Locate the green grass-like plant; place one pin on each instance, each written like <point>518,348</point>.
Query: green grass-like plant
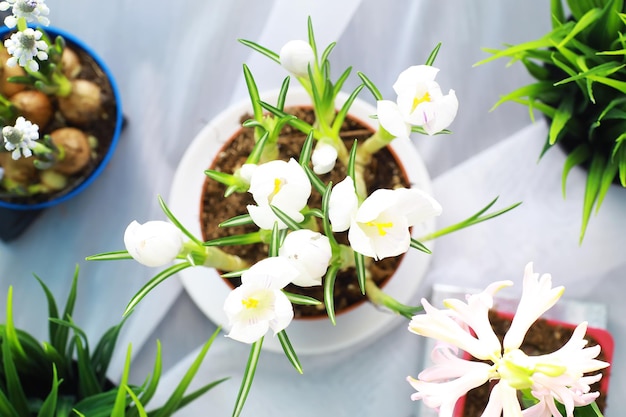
<point>62,377</point>
<point>580,68</point>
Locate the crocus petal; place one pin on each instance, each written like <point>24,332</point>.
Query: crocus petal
<point>248,333</point>
<point>296,56</point>
<point>282,184</point>
<point>283,310</point>
<point>417,205</point>
<point>310,253</point>
<point>342,205</point>
<point>274,272</point>
<point>538,296</point>
<point>379,242</point>
<point>391,119</point>
<point>258,304</point>
<point>443,114</point>
<point>410,78</point>
<point>324,158</point>
<point>154,243</point>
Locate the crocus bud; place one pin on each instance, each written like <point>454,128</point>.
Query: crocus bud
<point>154,243</point>
<point>295,57</point>
<point>323,158</point>
<point>310,253</point>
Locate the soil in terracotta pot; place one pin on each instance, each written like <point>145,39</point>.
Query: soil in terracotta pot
<point>384,172</point>
<point>542,338</point>
<point>101,128</point>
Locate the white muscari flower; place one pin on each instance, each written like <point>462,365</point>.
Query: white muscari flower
<point>1,173</point>
<point>154,243</point>
<point>296,56</point>
<point>258,304</point>
<point>310,253</point>
<point>282,184</point>
<point>33,11</point>
<point>420,102</point>
<point>24,46</point>
<point>379,228</point>
<point>20,139</point>
<point>323,158</point>
<point>555,376</point>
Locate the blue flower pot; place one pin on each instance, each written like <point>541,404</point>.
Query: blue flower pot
<point>87,179</point>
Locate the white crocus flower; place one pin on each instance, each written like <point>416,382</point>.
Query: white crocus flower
<point>246,171</point>
<point>154,243</point>
<point>24,46</point>
<point>33,11</point>
<point>556,376</point>
<point>282,184</point>
<point>258,304</point>
<point>20,139</point>
<point>342,205</point>
<point>323,158</point>
<point>296,56</point>
<point>379,228</point>
<point>420,102</point>
<point>310,253</point>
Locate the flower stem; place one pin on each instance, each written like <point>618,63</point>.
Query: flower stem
<point>379,298</point>
<point>218,259</point>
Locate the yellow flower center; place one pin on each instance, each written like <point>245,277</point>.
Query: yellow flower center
<point>419,100</point>
<point>250,303</point>
<point>278,184</point>
<point>380,227</point>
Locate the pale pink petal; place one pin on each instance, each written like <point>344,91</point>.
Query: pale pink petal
<point>537,297</point>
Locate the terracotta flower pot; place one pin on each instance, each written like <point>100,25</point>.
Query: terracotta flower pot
<point>357,325</point>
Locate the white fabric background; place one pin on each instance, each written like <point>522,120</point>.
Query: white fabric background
<point>178,64</point>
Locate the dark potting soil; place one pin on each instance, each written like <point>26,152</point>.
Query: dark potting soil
<point>542,338</point>
<point>383,172</point>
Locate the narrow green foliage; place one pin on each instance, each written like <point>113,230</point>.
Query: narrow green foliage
<point>244,239</point>
<point>291,223</point>
<point>361,275</point>
<point>290,353</point>
<point>274,245</point>
<point>248,376</point>
<point>476,218</point>
<point>329,289</point>
<point>177,397</point>
<point>241,220</point>
<point>49,406</point>
<point>576,157</point>
<point>301,299</point>
<point>268,53</point>
<point>110,256</point>
<point>580,72</point>
<point>175,221</point>
<point>433,55</point>
<point>370,86</point>
<point>316,182</point>
<point>153,283</point>
<point>307,150</point>
<point>416,244</point>
<point>253,91</point>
